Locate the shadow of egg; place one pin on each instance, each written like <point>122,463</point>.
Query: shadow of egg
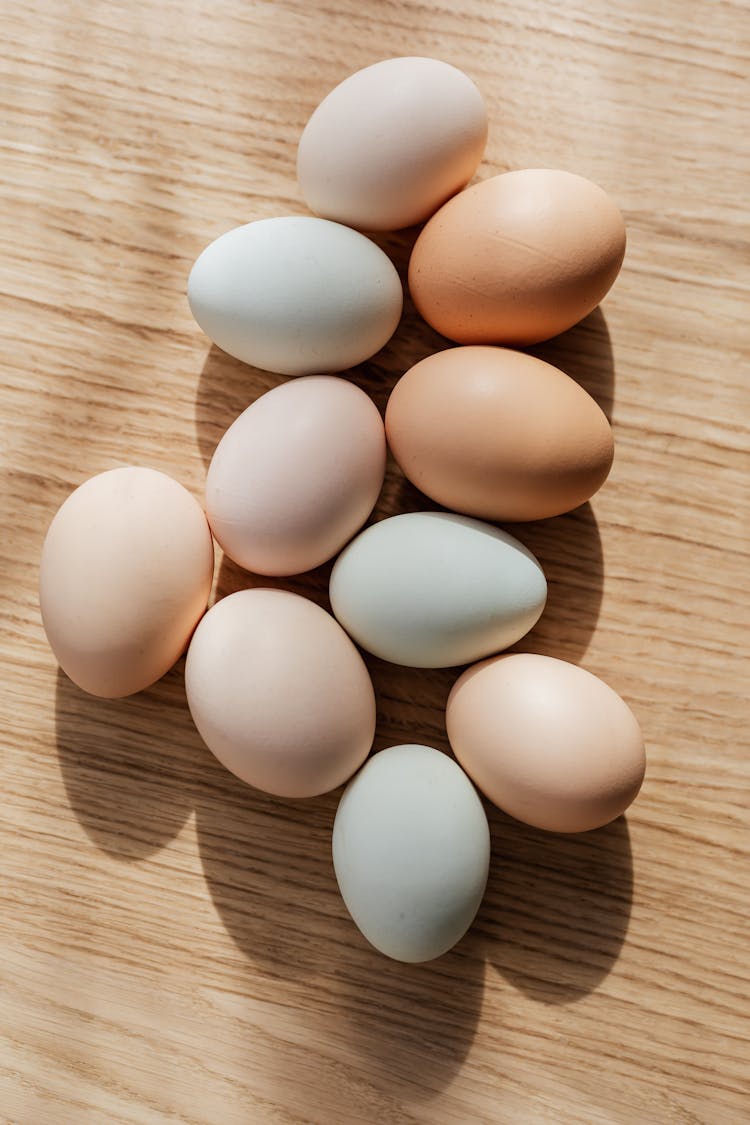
<point>557,908</point>
<point>267,865</point>
<point>130,766</point>
<point>569,549</point>
<point>226,387</point>
<point>411,703</point>
<point>412,1025</point>
<point>584,353</point>
<point>313,584</point>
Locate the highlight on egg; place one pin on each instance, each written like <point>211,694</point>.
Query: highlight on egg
<point>296,295</point>
<point>546,741</point>
<point>279,693</point>
<point>498,434</point>
<point>517,258</point>
<point>125,574</point>
<point>411,852</point>
<point>391,143</point>
<point>296,475</point>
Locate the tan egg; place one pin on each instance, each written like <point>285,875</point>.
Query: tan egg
<point>391,143</point>
<point>498,434</point>
<point>279,693</point>
<point>296,475</point>
<point>546,741</point>
<point>518,258</point>
<point>125,575</point>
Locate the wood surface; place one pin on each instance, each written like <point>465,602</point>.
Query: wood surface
<point>173,946</point>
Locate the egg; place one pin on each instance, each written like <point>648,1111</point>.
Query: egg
<point>517,258</point>
<point>279,693</point>
<point>434,589</point>
<point>498,434</point>
<point>296,475</point>
<point>296,295</point>
<point>125,574</point>
<point>391,143</point>
<point>411,850</point>
<point>546,741</point>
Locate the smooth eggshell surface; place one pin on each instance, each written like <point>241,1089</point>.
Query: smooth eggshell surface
<point>296,475</point>
<point>517,258</point>
<point>279,693</point>
<point>296,295</point>
<point>125,574</point>
<point>434,589</point>
<point>546,741</point>
<point>391,143</point>
<point>498,434</point>
<point>411,850</point>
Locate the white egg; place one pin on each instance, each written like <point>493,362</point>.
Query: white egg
<point>296,295</point>
<point>433,589</point>
<point>411,852</point>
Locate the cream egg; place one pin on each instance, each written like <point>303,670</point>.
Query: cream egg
<point>411,851</point>
<point>391,143</point>
<point>279,693</point>
<point>125,575</point>
<point>296,295</point>
<point>546,741</point>
<point>296,475</point>
<point>517,258</point>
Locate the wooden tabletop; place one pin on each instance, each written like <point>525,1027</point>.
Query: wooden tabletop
<point>173,946</point>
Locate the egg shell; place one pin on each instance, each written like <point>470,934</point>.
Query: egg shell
<point>391,143</point>
<point>546,741</point>
<point>411,850</point>
<point>434,589</point>
<point>296,475</point>
<point>498,434</point>
<point>125,574</point>
<point>296,295</point>
<point>517,258</point>
<point>279,693</point>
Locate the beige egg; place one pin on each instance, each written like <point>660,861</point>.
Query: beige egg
<point>498,434</point>
<point>296,475</point>
<point>518,258</point>
<point>391,143</point>
<point>279,693</point>
<point>546,741</point>
<point>125,575</point>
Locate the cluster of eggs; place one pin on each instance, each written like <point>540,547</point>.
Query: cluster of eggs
<point>276,685</point>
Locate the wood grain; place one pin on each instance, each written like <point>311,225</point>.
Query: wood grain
<point>173,945</point>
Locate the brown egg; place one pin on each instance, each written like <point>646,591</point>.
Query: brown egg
<point>546,741</point>
<point>518,258</point>
<point>498,434</point>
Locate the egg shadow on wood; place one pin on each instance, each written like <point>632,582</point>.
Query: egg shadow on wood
<point>411,703</point>
<point>313,584</point>
<point>557,907</point>
<point>569,549</point>
<point>584,353</point>
<point>130,766</point>
<point>267,865</point>
<point>226,387</point>
<point>412,1025</point>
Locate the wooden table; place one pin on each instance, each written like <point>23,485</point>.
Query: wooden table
<point>173,945</point>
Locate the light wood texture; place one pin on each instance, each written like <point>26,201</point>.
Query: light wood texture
<point>173,947</point>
